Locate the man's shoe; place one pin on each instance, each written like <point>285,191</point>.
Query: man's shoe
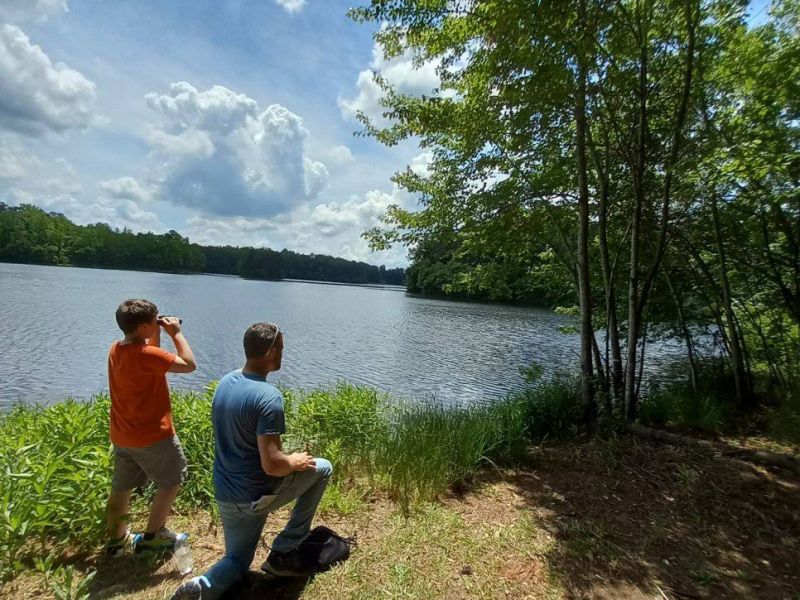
<point>118,547</point>
<point>286,564</point>
<point>163,542</point>
<point>188,590</point>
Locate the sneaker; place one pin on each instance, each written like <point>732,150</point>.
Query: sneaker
<point>188,590</point>
<point>118,547</point>
<point>286,564</point>
<point>164,542</point>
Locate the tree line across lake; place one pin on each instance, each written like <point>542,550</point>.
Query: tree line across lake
<point>30,235</point>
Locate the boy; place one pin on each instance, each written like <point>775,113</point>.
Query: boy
<point>145,444</point>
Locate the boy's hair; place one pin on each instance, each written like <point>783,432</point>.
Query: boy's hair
<point>132,313</point>
<point>258,339</point>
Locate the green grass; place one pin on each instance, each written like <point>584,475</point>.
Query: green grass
<point>56,461</point>
<point>553,407</point>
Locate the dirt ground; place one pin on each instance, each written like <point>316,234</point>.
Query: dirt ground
<point>619,519</point>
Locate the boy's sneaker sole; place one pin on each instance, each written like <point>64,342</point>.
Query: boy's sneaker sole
<point>189,590</point>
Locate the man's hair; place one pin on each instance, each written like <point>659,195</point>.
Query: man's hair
<point>132,313</point>
<point>258,339</point>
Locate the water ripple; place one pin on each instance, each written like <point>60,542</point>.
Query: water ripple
<point>58,324</point>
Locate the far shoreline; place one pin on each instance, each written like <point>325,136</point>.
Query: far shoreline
<point>210,274</point>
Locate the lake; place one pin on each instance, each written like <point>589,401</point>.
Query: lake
<point>57,324</point>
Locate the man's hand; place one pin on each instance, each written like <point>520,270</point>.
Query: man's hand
<point>277,464</point>
<point>301,461</point>
<point>171,325</point>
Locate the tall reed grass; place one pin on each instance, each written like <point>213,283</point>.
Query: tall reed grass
<point>56,461</point>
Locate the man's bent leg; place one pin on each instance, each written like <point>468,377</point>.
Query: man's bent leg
<point>307,487</point>
<point>242,527</point>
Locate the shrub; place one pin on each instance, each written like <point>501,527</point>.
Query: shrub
<point>553,407</point>
<point>430,447</point>
<point>783,421</point>
<point>55,473</point>
<point>343,425</point>
<point>671,400</point>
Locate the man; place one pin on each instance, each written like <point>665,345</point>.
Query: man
<point>252,474</point>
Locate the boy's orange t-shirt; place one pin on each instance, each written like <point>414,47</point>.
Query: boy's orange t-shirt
<point>141,413</point>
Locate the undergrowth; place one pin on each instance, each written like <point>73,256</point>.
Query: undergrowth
<point>56,461</point>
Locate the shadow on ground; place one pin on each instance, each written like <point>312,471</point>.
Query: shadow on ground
<point>637,519</point>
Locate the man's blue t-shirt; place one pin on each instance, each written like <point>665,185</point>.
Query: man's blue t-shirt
<point>244,407</point>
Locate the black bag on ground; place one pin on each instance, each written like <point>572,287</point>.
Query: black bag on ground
<point>324,548</point>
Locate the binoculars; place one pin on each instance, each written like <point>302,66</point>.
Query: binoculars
<point>160,319</point>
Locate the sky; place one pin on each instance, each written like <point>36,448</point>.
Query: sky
<point>230,121</point>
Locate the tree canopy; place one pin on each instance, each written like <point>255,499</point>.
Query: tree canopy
<point>636,159</point>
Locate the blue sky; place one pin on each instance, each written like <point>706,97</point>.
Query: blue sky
<point>253,99</point>
<point>230,121</point>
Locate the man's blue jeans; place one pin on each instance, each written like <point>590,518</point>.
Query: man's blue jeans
<point>242,525</point>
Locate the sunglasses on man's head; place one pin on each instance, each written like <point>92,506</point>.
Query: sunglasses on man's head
<point>275,337</point>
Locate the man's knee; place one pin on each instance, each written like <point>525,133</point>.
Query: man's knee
<point>324,467</point>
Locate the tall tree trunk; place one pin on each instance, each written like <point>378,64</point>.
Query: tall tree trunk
<point>676,143</point>
<point>587,331</point>
<point>612,322</point>
<point>740,379</point>
<point>634,314</point>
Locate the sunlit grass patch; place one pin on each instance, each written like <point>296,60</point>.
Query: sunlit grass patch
<point>434,553</point>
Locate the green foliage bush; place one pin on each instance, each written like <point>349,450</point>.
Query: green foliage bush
<point>783,420</point>
<point>553,407</point>
<point>673,402</point>
<point>681,407</point>
<point>55,472</point>
<point>344,424</point>
<point>56,462</point>
<point>430,447</point>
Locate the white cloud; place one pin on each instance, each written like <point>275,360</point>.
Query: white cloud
<point>18,11</point>
<point>219,153</point>
<point>125,213</point>
<point>189,143</point>
<point>356,214</point>
<point>292,5</point>
<point>327,228</point>
<point>24,170</point>
<point>54,186</point>
<point>400,72</point>
<point>127,188</point>
<point>217,110</point>
<point>420,164</point>
<point>16,162</point>
<point>37,95</point>
<point>340,154</point>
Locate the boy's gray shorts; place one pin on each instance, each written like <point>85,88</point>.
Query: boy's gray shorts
<point>163,463</point>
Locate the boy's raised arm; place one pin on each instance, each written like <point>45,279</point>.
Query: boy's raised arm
<point>184,363</point>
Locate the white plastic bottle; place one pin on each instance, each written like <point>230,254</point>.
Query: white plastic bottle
<point>183,556</point>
